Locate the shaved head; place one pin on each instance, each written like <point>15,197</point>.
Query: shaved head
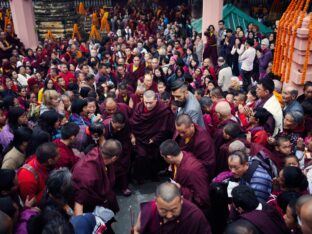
<point>301,201</point>
<point>168,192</point>
<point>111,148</point>
<point>6,223</point>
<point>110,105</point>
<point>110,101</point>
<point>149,94</point>
<point>223,108</point>
<point>184,119</point>
<point>306,217</point>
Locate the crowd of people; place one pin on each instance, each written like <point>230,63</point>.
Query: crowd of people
<point>80,120</point>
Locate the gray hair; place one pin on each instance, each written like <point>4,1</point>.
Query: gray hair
<point>297,116</point>
<point>150,94</point>
<point>205,101</point>
<point>237,146</point>
<point>277,86</point>
<point>168,191</point>
<point>59,183</point>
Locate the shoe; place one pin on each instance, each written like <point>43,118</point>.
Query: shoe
<point>126,192</point>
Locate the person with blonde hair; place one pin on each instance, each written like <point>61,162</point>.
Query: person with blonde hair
<point>51,101</point>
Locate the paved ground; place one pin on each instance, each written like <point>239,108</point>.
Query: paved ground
<point>140,194</point>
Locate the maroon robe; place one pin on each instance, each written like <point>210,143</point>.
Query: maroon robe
<point>190,221</point>
<point>193,178</point>
<point>93,182</point>
<point>135,99</point>
<point>158,125</point>
<point>134,76</point>
<point>202,147</point>
<point>279,159</point>
<point>267,220</point>
<point>121,99</point>
<point>218,134</point>
<point>122,165</point>
<point>121,107</point>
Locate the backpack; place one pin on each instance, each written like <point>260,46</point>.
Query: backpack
<point>265,162</point>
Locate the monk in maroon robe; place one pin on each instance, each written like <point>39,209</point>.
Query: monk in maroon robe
<point>110,106</point>
<point>189,174</point>
<point>94,178</point>
<point>152,122</point>
<point>282,149</point>
<point>118,128</point>
<point>192,138</point>
<point>136,70</point>
<point>170,214</point>
<point>264,217</point>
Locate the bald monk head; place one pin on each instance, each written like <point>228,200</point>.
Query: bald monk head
<point>223,109</point>
<point>241,226</point>
<point>168,201</point>
<point>148,81</point>
<point>149,100</point>
<point>289,94</point>
<point>306,217</point>
<point>6,224</point>
<point>301,201</point>
<point>185,126</point>
<point>110,105</point>
<point>118,121</point>
<point>111,150</point>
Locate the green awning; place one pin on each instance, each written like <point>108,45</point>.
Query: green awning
<point>234,17</point>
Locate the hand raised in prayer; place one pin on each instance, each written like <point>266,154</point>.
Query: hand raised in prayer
<point>271,140</point>
<point>248,137</point>
<point>150,141</point>
<point>30,202</point>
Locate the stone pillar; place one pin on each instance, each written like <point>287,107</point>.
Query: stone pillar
<point>212,13</point>
<point>24,22</point>
<point>298,59</point>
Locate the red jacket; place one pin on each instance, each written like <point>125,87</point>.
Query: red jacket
<point>67,157</point>
<point>32,179</point>
<point>68,77</point>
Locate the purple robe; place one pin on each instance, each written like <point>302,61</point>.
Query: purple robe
<point>193,178</point>
<point>202,147</point>
<point>267,220</point>
<point>93,182</point>
<point>190,221</point>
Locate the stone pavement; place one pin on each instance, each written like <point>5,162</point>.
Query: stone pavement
<point>140,193</point>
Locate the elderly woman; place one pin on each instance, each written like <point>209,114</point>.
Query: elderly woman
<point>293,128</point>
<point>51,101</point>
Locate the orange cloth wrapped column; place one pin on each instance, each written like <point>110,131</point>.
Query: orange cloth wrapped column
<point>94,34</point>
<point>104,23</point>
<point>76,32</point>
<point>82,9</point>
